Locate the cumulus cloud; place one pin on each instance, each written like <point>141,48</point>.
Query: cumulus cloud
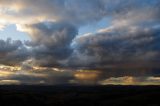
<point>131,36</point>
<point>50,40</point>
<point>12,52</point>
<point>120,45</point>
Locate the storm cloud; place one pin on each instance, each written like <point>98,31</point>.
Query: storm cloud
<point>131,36</point>
<point>120,45</point>
<point>12,52</point>
<point>51,42</point>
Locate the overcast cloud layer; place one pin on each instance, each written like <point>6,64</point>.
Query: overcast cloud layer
<point>131,37</point>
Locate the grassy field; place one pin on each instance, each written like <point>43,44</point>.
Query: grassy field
<point>79,95</point>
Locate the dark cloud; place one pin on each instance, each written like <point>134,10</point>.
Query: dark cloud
<point>47,76</point>
<point>132,35</point>
<point>51,42</point>
<point>12,52</point>
<point>120,45</point>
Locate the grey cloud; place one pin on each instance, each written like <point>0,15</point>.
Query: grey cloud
<point>51,42</point>
<point>12,52</point>
<point>120,45</point>
<point>47,76</point>
<point>79,12</point>
<point>76,12</point>
<point>52,34</point>
<point>134,35</point>
<point>8,45</point>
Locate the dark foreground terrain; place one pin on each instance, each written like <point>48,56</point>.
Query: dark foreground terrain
<point>80,95</point>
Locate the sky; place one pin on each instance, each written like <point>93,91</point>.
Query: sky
<point>80,42</point>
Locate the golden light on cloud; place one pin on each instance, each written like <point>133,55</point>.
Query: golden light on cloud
<point>39,68</point>
<point>130,80</point>
<point>126,80</point>
<point>31,74</point>
<point>86,75</point>
<point>154,78</point>
<point>9,68</point>
<point>9,82</point>
<point>6,73</point>
<point>17,7</point>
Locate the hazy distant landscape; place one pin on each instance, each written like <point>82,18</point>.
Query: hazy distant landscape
<point>69,95</point>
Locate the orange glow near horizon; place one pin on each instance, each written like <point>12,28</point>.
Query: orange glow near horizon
<point>128,80</point>
<point>86,75</point>
<point>9,68</point>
